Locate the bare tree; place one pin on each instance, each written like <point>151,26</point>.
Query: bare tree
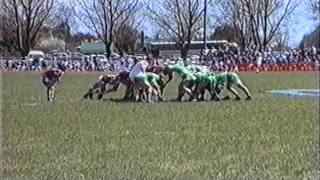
<point>7,37</point>
<point>281,40</point>
<point>315,7</point>
<point>234,12</point>
<point>25,19</point>
<point>258,21</point>
<point>103,16</point>
<point>65,20</point>
<point>179,19</point>
<point>126,33</point>
<point>126,37</point>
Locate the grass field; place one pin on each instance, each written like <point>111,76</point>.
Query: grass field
<point>267,138</point>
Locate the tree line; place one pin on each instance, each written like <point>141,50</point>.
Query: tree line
<point>26,24</point>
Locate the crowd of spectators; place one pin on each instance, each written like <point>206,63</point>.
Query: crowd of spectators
<point>217,59</point>
<point>235,57</point>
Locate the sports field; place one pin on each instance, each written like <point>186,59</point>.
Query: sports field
<point>270,137</point>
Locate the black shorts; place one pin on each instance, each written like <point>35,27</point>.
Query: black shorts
<point>48,82</point>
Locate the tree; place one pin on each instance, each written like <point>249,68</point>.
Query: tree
<point>225,32</point>
<point>312,39</point>
<point>103,16</point>
<point>65,19</point>
<point>281,40</point>
<point>63,31</point>
<point>51,43</point>
<point>7,37</point>
<point>25,19</point>
<point>126,38</point>
<point>258,21</point>
<point>179,19</point>
<point>315,7</point>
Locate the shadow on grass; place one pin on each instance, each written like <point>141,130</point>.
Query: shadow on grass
<point>163,102</point>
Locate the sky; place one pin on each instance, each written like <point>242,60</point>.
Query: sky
<point>302,24</point>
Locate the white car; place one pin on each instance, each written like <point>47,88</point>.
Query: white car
<point>36,54</point>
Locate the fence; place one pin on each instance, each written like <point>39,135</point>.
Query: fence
<point>278,68</point>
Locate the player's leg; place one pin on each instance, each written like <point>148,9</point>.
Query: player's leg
<point>143,82</point>
<point>155,81</point>
<point>48,94</point>
<point>199,90</point>
<point>93,90</point>
<point>232,78</point>
<point>147,92</point>
<point>102,92</point>
<point>233,91</point>
<point>215,92</point>
<point>131,92</point>
<point>136,91</point>
<point>202,95</point>
<point>157,91</point>
<point>181,91</point>
<point>241,86</point>
<point>188,88</point>
<point>162,86</point>
<point>52,86</point>
<point>46,83</point>
<point>54,93</point>
<point>127,92</point>
<point>150,92</point>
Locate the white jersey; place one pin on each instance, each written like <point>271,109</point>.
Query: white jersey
<point>137,69</point>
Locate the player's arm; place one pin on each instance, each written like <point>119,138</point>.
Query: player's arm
<point>58,75</point>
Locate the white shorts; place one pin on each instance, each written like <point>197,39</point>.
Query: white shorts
<point>238,82</point>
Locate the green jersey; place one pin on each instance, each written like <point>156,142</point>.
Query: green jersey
<point>227,78</point>
<point>148,77</point>
<point>200,76</point>
<point>208,80</point>
<point>152,77</point>
<point>183,72</point>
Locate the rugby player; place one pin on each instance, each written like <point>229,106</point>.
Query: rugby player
<point>114,80</point>
<point>138,78</point>
<point>229,79</point>
<point>187,83</point>
<point>51,78</point>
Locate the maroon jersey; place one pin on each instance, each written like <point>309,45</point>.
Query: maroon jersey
<point>123,77</point>
<point>154,69</point>
<point>53,73</point>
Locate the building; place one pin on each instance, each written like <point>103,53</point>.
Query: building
<point>89,48</point>
<point>167,48</point>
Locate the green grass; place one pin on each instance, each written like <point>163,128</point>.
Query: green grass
<point>268,138</point>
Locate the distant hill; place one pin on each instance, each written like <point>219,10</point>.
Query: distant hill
<point>312,39</point>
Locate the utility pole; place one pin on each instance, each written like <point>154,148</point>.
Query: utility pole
<point>205,25</point>
<point>204,29</point>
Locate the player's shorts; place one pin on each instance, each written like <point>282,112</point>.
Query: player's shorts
<point>153,78</point>
<point>142,79</point>
<point>48,82</point>
<point>188,80</point>
<point>233,79</point>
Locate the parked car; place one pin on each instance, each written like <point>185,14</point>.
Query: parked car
<point>36,54</point>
